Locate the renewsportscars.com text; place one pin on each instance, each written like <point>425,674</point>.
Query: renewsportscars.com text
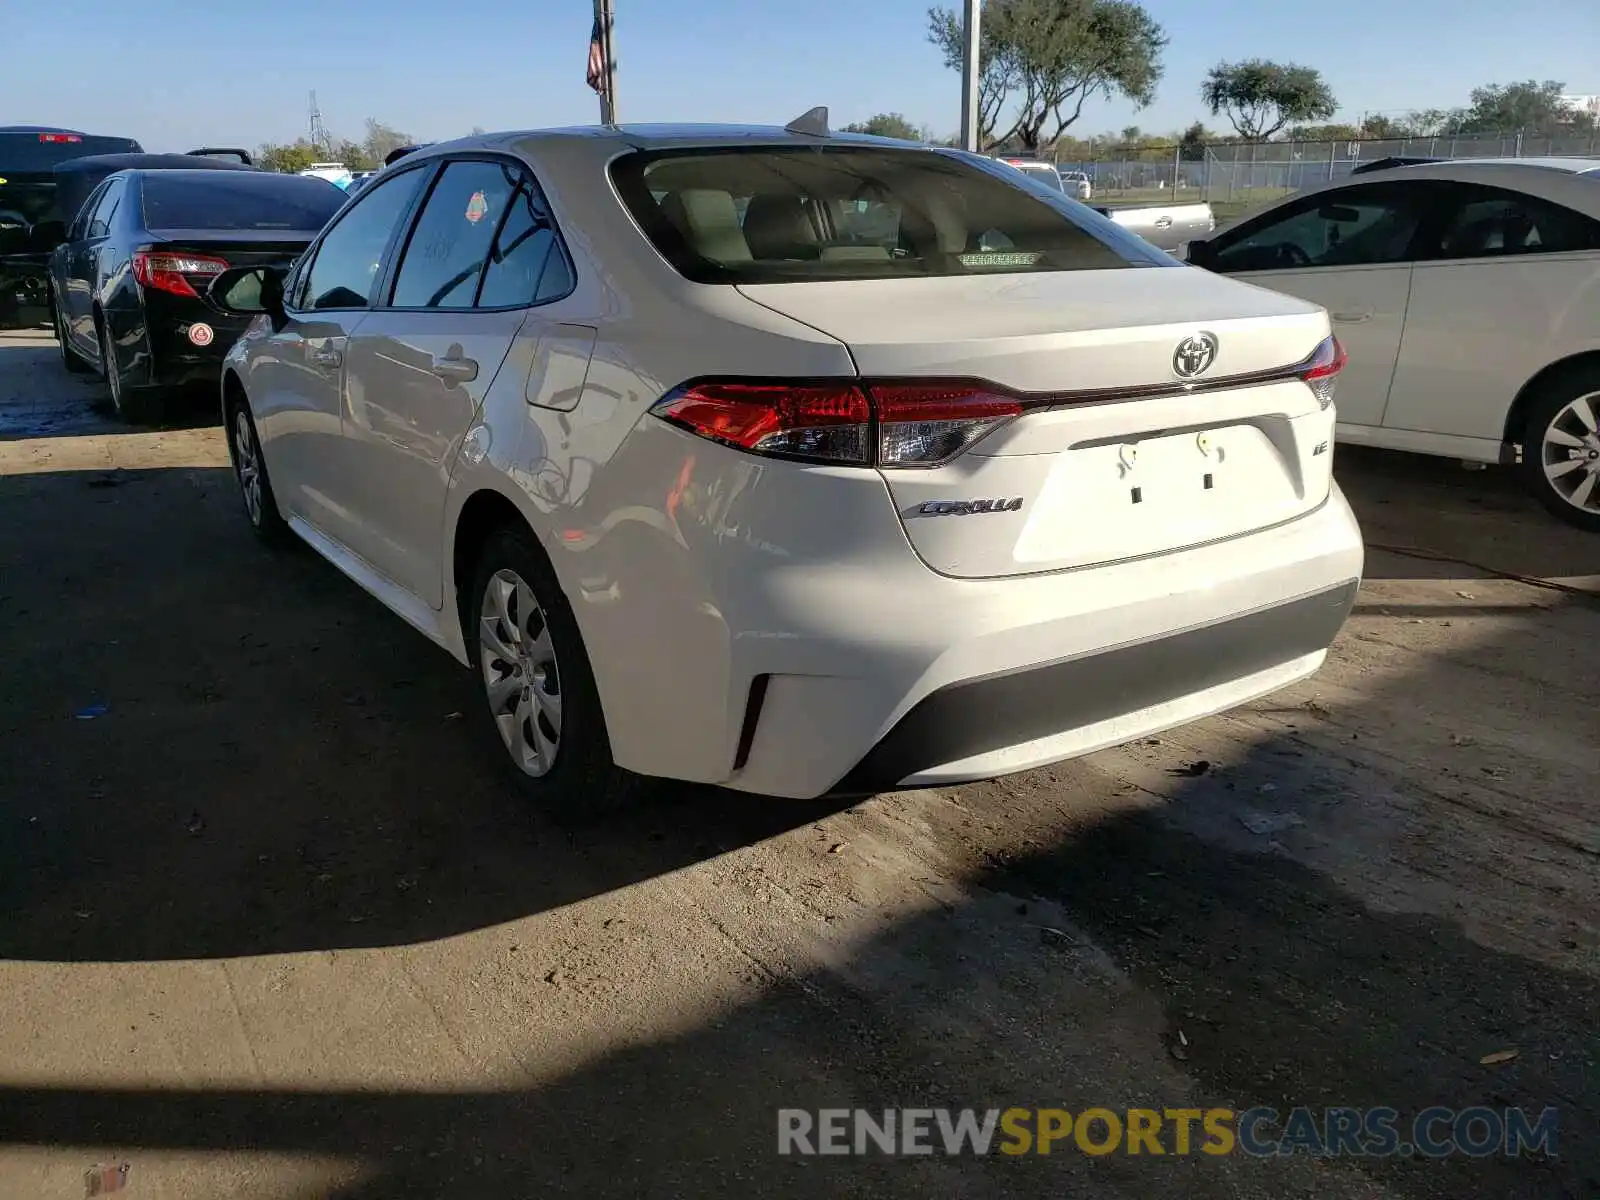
<point>1438,1132</point>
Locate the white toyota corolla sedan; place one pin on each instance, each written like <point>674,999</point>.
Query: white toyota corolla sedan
<point>799,463</point>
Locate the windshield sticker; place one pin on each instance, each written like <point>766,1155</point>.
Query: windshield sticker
<point>1002,258</point>
<point>477,207</point>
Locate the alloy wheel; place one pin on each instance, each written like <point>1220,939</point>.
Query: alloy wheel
<point>247,462</point>
<point>521,679</point>
<point>1571,453</point>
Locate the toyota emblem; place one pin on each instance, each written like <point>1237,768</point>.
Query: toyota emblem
<point>1194,355</point>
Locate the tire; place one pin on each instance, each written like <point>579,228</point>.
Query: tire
<point>137,406</point>
<point>69,356</point>
<point>1557,436</point>
<point>250,472</point>
<point>572,774</point>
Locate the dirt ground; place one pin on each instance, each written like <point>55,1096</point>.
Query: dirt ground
<point>270,928</point>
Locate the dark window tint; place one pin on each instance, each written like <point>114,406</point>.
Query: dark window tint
<point>1346,228</point>
<point>350,257</point>
<point>444,259</point>
<point>245,200</point>
<point>774,214</point>
<point>1489,223</point>
<point>105,208</point>
<point>527,265</point>
<point>21,152</point>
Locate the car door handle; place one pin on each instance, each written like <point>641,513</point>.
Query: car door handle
<point>327,358</point>
<point>1353,318</point>
<point>455,369</point>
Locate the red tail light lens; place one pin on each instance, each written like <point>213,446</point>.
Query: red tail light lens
<point>925,424</point>
<point>170,272</point>
<point>826,423</point>
<point>59,137</point>
<point>1321,371</point>
<point>889,424</point>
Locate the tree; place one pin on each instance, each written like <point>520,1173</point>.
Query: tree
<point>288,159</point>
<point>1192,145</point>
<point>1528,107</point>
<point>1324,133</point>
<point>1260,97</point>
<point>382,140</point>
<point>1050,57</point>
<point>889,125</point>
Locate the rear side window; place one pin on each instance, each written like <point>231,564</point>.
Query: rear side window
<point>1492,222</point>
<point>242,200</point>
<point>443,261</point>
<point>777,214</point>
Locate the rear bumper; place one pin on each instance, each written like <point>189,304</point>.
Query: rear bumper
<point>175,360</point>
<point>822,658</point>
<point>984,727</point>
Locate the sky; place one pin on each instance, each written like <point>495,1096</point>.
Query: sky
<point>177,74</point>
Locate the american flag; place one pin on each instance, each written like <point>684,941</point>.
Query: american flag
<point>597,59</point>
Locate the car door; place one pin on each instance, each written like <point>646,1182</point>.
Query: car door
<point>1505,288</point>
<point>296,388</point>
<point>82,273</point>
<point>1350,250</point>
<point>474,263</point>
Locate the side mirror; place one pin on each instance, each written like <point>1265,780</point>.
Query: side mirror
<point>1339,213</point>
<point>1199,253</point>
<point>250,291</point>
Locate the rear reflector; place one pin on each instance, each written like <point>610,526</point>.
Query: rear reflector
<point>885,424</point>
<point>1321,371</point>
<point>170,272</point>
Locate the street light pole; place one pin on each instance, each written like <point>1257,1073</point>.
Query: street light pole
<point>969,78</point>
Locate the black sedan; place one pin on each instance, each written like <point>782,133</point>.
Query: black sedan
<point>128,288</point>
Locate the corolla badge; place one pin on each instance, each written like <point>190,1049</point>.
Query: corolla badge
<point>1194,355</point>
<point>966,508</point>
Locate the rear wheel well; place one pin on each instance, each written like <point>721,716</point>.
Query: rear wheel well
<point>1517,418</point>
<point>482,514</point>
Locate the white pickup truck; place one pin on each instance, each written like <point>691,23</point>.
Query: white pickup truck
<point>1169,226</point>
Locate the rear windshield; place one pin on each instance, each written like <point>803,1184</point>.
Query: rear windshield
<point>238,200</point>
<point>777,214</point>
<point>24,152</point>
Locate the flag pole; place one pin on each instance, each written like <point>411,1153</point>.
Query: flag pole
<point>970,132</point>
<point>603,11</point>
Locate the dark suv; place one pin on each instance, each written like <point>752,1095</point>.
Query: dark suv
<point>31,220</point>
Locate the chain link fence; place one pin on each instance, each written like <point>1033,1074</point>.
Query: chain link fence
<point>1234,176</point>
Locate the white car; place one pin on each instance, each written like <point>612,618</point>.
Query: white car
<point>1465,293</point>
<point>1040,172</point>
<point>1077,184</point>
<point>754,501</point>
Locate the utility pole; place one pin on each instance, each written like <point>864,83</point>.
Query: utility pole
<point>969,78</point>
<point>605,19</point>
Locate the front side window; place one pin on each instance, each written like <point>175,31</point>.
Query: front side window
<point>1347,228</point>
<point>1491,222</point>
<point>350,258</point>
<point>775,214</point>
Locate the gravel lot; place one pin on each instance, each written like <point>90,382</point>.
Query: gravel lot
<point>269,927</point>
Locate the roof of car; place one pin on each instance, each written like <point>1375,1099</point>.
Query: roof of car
<point>107,163</point>
<point>661,136</point>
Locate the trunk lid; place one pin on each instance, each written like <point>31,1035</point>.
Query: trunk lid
<point>1115,458</point>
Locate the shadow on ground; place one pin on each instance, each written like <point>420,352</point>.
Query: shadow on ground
<point>1288,992</point>
<point>211,750</point>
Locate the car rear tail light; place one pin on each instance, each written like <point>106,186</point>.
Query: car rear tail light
<point>1321,371</point>
<point>59,137</point>
<point>170,272</point>
<point>925,424</point>
<point>889,424</point>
